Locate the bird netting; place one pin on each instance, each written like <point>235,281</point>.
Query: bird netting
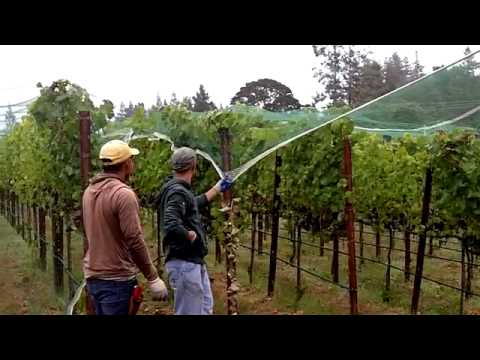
<point>445,99</point>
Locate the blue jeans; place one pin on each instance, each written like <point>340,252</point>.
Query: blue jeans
<point>191,288</point>
<point>111,297</point>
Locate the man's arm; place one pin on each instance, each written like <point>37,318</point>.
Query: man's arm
<point>129,218</point>
<point>204,199</point>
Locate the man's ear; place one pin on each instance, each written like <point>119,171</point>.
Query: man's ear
<point>127,167</point>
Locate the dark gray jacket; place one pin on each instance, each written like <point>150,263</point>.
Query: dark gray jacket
<point>179,213</point>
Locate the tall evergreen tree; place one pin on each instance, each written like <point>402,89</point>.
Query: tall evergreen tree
<point>470,64</point>
<point>416,70</point>
<point>173,100</point>
<point>201,101</point>
<point>187,102</point>
<point>372,82</point>
<point>129,110</point>
<point>158,106</point>
<point>339,73</point>
<point>122,112</point>
<point>122,108</point>
<point>396,72</point>
<point>351,71</point>
<point>329,73</point>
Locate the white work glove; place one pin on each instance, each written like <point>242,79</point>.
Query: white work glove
<point>158,289</point>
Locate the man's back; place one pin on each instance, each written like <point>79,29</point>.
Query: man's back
<point>115,248</point>
<point>109,239</point>
<point>179,210</point>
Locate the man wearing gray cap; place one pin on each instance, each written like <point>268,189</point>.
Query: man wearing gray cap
<point>184,238</point>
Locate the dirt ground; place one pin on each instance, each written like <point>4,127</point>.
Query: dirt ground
<point>24,288</point>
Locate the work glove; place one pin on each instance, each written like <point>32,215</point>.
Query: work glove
<point>158,289</point>
<point>223,184</point>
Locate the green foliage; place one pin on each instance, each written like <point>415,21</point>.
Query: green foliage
<point>456,183</point>
<point>40,160</point>
<point>28,161</point>
<point>151,168</point>
<point>42,154</point>
<point>388,180</point>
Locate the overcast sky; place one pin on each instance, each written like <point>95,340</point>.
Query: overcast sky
<point>137,73</point>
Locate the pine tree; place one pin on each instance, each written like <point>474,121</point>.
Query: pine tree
<point>417,69</point>
<point>470,64</point>
<point>158,106</point>
<point>351,69</point>
<point>201,101</point>
<point>372,82</point>
<point>129,110</point>
<point>329,73</point>
<point>407,69</point>
<point>173,100</point>
<point>396,72</point>
<point>187,102</point>
<point>122,114</point>
<point>122,108</point>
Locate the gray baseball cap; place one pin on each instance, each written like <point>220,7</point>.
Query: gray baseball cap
<point>183,159</point>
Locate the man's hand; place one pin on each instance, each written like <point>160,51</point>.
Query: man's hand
<point>192,235</point>
<point>223,185</point>
<point>158,289</point>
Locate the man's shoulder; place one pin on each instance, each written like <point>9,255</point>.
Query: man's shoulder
<point>123,191</point>
<point>108,185</point>
<point>176,191</point>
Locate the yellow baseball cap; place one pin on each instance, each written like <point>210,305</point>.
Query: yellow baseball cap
<point>116,152</point>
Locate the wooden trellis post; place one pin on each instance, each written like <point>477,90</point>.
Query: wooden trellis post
<point>275,225</point>
<point>350,227</point>
<point>427,194</point>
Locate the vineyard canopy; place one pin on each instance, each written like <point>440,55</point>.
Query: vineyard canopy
<point>445,99</point>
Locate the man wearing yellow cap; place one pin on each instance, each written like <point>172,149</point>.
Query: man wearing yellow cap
<point>116,246</point>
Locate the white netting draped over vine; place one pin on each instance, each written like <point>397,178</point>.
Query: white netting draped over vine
<point>443,100</point>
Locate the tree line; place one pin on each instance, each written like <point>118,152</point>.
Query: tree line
<point>348,76</point>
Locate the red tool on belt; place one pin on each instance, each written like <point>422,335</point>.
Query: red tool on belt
<point>135,300</point>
